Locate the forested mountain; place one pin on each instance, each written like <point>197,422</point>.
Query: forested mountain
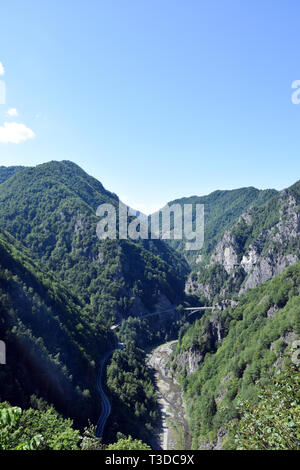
<point>7,172</point>
<point>226,357</point>
<point>51,209</point>
<point>52,343</point>
<point>250,235</point>
<point>262,243</point>
<point>61,290</point>
<point>221,210</point>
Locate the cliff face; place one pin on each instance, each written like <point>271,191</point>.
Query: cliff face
<point>263,243</point>
<point>211,337</point>
<point>276,248</point>
<point>226,252</point>
<point>189,360</point>
<point>222,210</point>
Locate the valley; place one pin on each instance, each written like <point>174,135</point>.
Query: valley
<point>203,331</point>
<point>149,228</point>
<point>175,432</point>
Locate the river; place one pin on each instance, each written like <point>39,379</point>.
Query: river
<point>175,432</point>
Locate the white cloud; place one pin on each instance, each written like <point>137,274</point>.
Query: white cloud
<point>13,112</point>
<point>12,132</point>
<point>1,69</point>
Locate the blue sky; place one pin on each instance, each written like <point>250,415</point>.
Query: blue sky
<point>158,99</point>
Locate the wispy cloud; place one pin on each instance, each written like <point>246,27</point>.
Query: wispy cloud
<point>12,132</point>
<point>1,69</point>
<point>13,112</point>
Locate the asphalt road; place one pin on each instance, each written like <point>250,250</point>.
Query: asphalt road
<point>105,404</point>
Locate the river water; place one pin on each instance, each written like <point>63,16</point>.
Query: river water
<point>175,432</point>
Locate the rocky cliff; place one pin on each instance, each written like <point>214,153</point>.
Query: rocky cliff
<point>212,334</point>
<point>263,243</point>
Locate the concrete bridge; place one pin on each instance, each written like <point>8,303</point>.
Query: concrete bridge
<point>147,315</point>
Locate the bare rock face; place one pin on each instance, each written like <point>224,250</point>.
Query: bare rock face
<point>217,444</point>
<point>226,252</point>
<point>224,304</point>
<point>79,223</point>
<point>270,253</point>
<point>189,360</point>
<point>289,225</point>
<point>272,311</point>
<point>162,303</point>
<point>290,337</point>
<point>266,268</point>
<point>217,329</point>
<point>193,286</point>
<point>260,264</point>
<point>251,257</point>
<point>138,309</point>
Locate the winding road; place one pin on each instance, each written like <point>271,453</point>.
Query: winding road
<point>105,404</point>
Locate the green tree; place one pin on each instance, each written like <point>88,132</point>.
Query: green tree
<point>9,419</point>
<point>273,422</point>
<point>34,429</point>
<point>128,444</point>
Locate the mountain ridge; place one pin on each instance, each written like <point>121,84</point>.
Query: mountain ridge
<point>262,243</point>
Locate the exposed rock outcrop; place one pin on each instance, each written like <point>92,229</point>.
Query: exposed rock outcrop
<point>190,359</point>
<point>217,444</point>
<point>193,286</point>
<point>226,252</point>
<point>254,251</point>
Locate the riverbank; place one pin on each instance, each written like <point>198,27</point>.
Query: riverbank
<point>175,433</point>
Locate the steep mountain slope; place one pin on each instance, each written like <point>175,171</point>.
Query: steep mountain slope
<point>221,210</point>
<point>220,359</point>
<point>262,243</point>
<point>50,339</point>
<point>7,172</point>
<point>51,209</point>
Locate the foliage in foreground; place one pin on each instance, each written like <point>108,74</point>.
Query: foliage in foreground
<point>45,429</point>
<point>273,422</point>
<point>34,429</point>
<point>128,444</point>
<point>9,418</point>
